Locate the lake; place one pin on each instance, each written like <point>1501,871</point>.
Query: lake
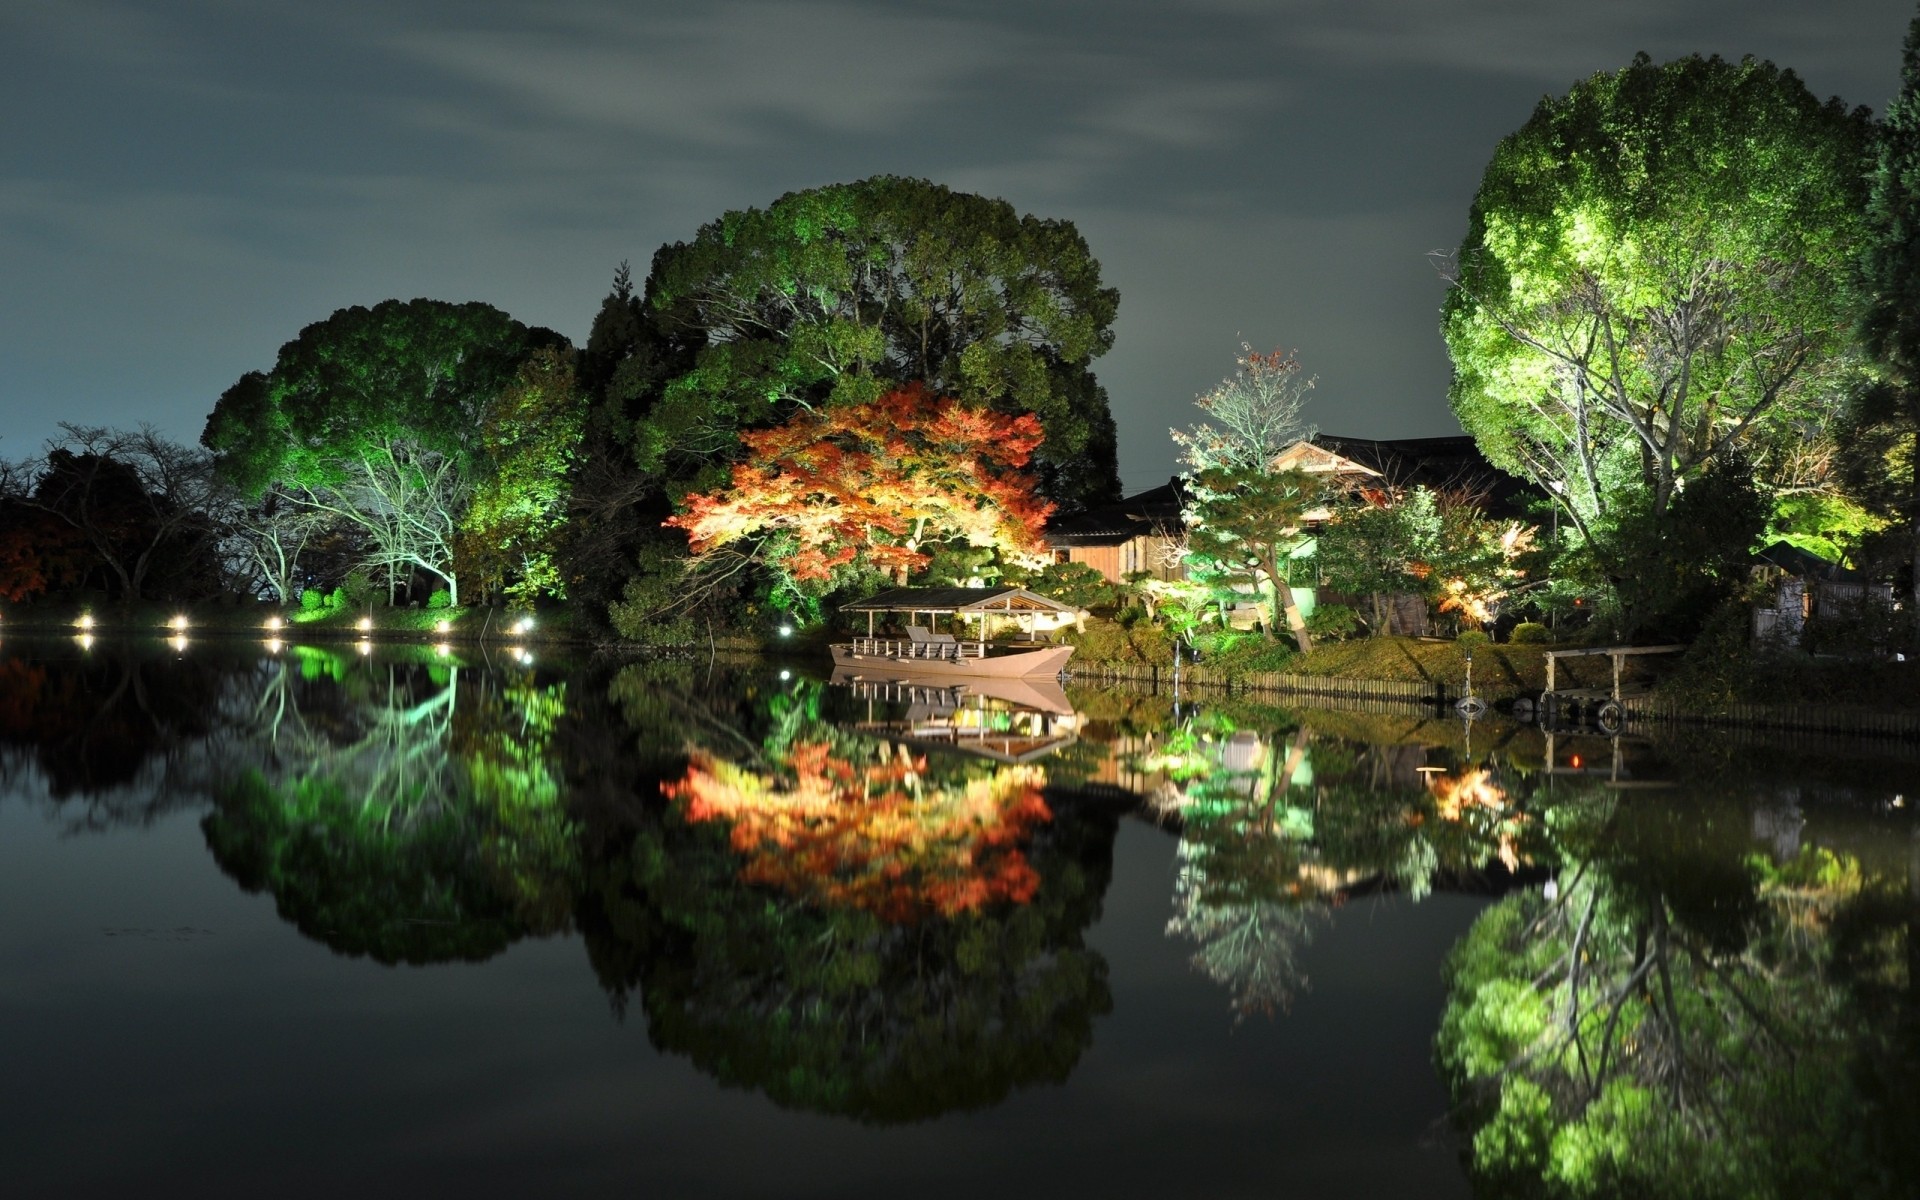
<point>324,920</point>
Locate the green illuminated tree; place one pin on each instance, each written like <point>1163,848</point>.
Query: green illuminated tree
<point>1250,522</point>
<point>1376,550</point>
<point>1655,276</point>
<point>1887,421</point>
<point>840,294</point>
<point>528,439</point>
<point>374,417</point>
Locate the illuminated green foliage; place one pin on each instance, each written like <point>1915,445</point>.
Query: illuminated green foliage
<point>1250,523</point>
<point>527,442</point>
<point>1655,277</point>
<point>373,418</point>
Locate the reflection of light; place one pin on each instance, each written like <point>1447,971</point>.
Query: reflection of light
<point>275,645</point>
<point>1431,770</point>
<point>178,624</point>
<point>443,626</point>
<point>178,642</point>
<point>366,647</point>
<point>273,624</point>
<point>523,656</point>
<point>443,649</point>
<point>85,640</point>
<point>364,624</point>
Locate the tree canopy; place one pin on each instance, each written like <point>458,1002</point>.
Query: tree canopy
<point>376,417</point>
<point>1656,274</point>
<point>1887,420</point>
<point>840,294</point>
<point>874,484</point>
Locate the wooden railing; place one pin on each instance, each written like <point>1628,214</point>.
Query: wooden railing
<point>902,648</point>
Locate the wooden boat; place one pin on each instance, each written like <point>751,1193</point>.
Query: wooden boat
<point>925,652</point>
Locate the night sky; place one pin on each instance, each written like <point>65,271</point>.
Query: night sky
<point>184,184</point>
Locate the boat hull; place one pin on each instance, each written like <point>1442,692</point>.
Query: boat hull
<point>1021,664</point>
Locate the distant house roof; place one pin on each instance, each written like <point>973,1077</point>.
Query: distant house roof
<point>1305,455</point>
<point>1440,463</point>
<point>1154,511</point>
<point>1795,561</point>
<point>957,600</point>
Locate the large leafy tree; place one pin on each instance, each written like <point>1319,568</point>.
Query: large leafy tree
<point>875,484</point>
<point>374,416</point>
<point>1655,276</point>
<point>840,294</point>
<point>1889,415</point>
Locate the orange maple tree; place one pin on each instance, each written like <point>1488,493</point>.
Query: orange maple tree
<point>876,482</point>
<point>876,836</point>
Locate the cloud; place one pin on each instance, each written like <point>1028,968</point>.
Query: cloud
<point>727,77</point>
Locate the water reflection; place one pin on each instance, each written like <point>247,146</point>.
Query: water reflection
<point>850,924</point>
<point>874,901</point>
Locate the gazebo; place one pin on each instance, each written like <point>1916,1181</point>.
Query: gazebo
<point>962,602</point>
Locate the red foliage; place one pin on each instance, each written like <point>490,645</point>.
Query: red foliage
<point>874,837</point>
<point>38,552</point>
<point>877,481</point>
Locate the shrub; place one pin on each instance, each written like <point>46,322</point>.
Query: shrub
<point>1530,633</point>
<point>356,589</point>
<point>1471,638</point>
<point>313,600</point>
<point>441,598</point>
<point>1333,621</point>
<point>1077,584</point>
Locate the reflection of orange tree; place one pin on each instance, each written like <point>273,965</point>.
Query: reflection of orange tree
<point>875,836</point>
<point>1473,796</point>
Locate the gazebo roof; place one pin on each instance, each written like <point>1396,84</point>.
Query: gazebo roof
<point>957,600</point>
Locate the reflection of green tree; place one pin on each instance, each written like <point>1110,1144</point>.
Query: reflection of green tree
<point>829,1006</point>
<point>1249,888</point>
<point>1275,832</point>
<point>393,814</point>
<point>1675,1020</point>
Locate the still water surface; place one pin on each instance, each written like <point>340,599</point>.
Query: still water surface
<point>319,922</point>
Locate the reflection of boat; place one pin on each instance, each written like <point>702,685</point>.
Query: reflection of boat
<point>1007,720</point>
<point>923,650</point>
<point>1041,692</point>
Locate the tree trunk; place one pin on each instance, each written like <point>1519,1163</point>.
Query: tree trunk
<point>1283,600</point>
